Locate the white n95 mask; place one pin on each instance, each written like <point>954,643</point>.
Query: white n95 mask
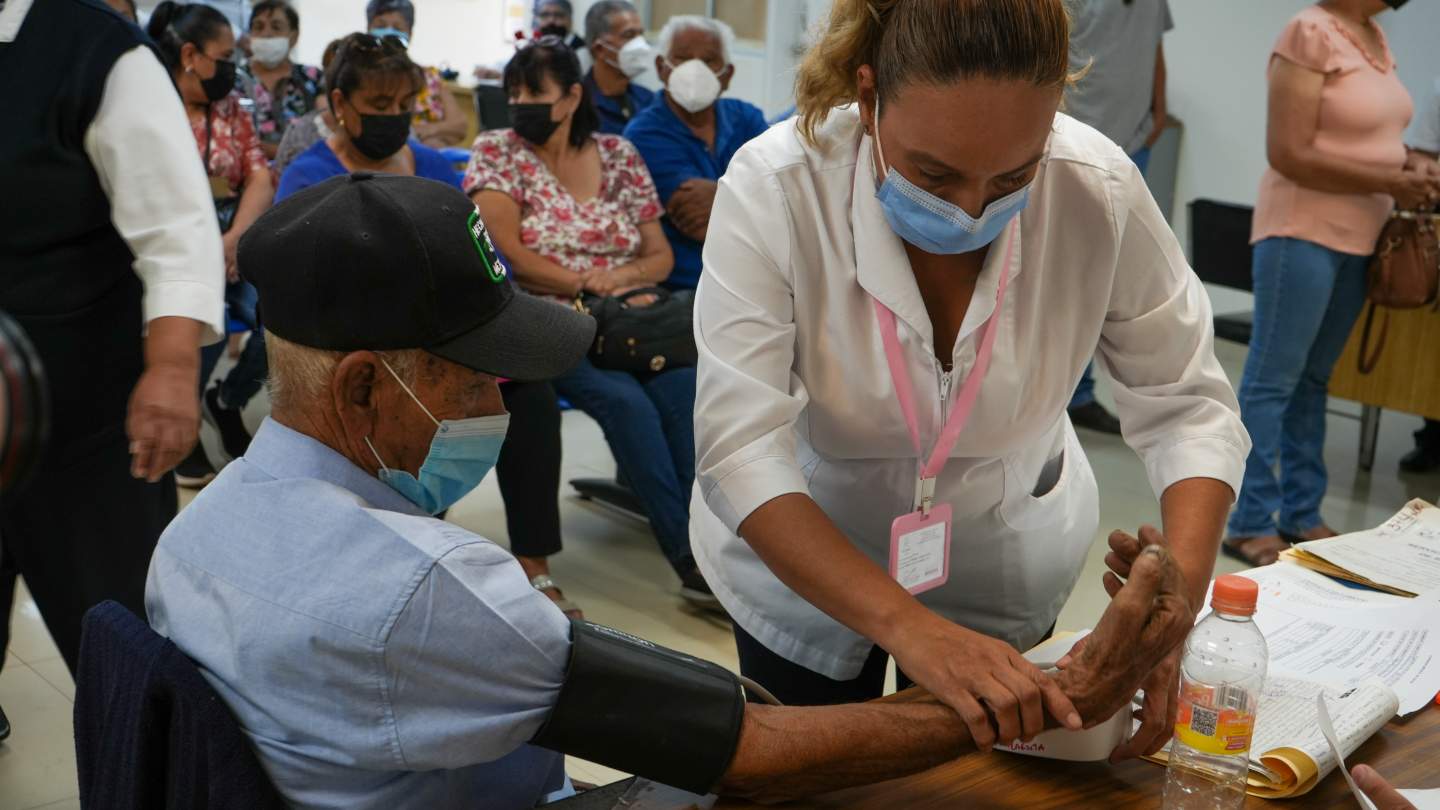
<point>270,51</point>
<point>636,57</point>
<point>693,85</point>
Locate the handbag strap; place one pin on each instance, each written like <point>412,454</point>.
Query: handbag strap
<point>1366,359</point>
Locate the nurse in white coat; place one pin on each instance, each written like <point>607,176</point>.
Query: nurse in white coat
<point>931,200</point>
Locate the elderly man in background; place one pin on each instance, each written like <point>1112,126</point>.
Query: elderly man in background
<point>615,37</point>
<point>378,657</point>
<point>688,138</point>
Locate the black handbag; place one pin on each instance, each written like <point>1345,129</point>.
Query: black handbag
<point>642,339</point>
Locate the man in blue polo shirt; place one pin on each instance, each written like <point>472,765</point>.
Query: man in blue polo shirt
<point>615,36</point>
<point>688,137</point>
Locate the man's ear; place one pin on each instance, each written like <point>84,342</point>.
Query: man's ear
<point>725,76</point>
<point>352,395</point>
<point>662,69</point>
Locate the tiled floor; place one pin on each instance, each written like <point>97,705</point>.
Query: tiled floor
<point>613,569</point>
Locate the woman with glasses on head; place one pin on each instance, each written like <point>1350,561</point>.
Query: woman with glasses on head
<point>371,86</point>
<point>198,46</point>
<point>575,211</point>
<point>439,120</point>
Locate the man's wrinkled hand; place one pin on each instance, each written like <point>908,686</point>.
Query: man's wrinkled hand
<point>163,420</point>
<point>1147,619</point>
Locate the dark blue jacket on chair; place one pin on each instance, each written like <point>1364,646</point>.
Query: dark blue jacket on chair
<point>149,731</point>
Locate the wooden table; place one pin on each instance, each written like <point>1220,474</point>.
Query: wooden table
<point>1407,378</point>
<point>1407,753</point>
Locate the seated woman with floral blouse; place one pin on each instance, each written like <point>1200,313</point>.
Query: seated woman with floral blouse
<point>575,211</point>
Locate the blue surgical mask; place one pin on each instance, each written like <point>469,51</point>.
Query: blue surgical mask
<point>935,225</point>
<point>387,31</point>
<point>462,453</point>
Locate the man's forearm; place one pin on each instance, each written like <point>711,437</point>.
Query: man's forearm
<point>787,752</point>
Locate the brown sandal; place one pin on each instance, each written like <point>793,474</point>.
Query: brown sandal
<point>1246,550</point>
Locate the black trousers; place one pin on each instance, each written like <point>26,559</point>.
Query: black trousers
<point>528,469</point>
<point>795,685</point>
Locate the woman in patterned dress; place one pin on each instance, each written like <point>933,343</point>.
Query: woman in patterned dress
<point>575,210</point>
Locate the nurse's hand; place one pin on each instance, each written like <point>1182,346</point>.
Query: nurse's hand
<point>980,677</point>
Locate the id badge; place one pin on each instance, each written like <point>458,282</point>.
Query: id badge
<point>920,549</point>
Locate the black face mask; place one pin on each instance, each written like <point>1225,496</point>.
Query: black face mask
<point>382,135</point>
<point>554,30</point>
<point>219,86</point>
<point>532,122</point>
<point>1396,4</point>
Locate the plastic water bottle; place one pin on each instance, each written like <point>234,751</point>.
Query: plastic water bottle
<point>1221,676</point>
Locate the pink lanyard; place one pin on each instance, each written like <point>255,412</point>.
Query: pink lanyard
<point>964,400</point>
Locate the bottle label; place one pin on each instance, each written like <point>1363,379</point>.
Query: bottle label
<point>1215,721</point>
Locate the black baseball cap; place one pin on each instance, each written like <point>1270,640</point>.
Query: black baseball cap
<point>385,262</point>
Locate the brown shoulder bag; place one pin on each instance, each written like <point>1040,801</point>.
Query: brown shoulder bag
<point>1404,273</point>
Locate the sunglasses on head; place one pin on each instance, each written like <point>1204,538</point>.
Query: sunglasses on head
<point>388,44</point>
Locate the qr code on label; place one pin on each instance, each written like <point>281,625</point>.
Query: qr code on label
<point>1203,720</point>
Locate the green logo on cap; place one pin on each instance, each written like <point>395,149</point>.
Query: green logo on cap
<point>485,247</point>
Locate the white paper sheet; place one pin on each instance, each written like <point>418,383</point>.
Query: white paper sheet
<point>1286,718</point>
<point>1400,646</point>
<point>1422,799</point>
<point>1403,553</point>
<point>1292,585</point>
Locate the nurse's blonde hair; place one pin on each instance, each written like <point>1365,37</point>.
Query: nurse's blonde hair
<point>931,42</point>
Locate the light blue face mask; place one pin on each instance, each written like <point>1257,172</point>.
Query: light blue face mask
<point>462,453</point>
<point>935,225</point>
<point>387,31</point>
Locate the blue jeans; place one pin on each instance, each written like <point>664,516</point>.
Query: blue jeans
<point>1307,298</point>
<point>1085,389</point>
<point>247,377</point>
<point>649,424</point>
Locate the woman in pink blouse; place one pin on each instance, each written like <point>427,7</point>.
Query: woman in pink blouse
<point>575,210</point>
<point>1338,165</point>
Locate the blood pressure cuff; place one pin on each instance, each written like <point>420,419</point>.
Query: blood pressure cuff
<point>632,705</point>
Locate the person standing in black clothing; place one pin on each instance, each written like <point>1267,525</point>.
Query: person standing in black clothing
<point>110,259</point>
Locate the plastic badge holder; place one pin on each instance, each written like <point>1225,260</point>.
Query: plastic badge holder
<point>1089,745</point>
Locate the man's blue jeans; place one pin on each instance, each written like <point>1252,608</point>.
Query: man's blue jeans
<point>649,424</point>
<point>1085,389</point>
<point>1307,298</point>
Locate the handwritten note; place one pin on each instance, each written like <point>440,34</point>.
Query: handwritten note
<point>1403,552</point>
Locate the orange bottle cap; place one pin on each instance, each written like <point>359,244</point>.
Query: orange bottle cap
<point>1234,594</point>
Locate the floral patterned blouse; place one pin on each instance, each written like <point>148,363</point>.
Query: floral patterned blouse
<point>234,149</point>
<point>295,97</point>
<point>430,103</point>
<point>599,233</point>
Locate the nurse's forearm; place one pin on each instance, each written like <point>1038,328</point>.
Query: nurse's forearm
<point>1193,511</point>
<point>803,547</point>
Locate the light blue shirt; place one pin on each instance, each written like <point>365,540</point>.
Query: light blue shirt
<point>376,657</point>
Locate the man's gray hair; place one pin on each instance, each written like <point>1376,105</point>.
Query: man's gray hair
<point>300,376</point>
<point>722,32</point>
<point>597,19</point>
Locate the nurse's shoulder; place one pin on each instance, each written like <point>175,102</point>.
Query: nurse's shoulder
<point>782,149</point>
<point>1092,164</point>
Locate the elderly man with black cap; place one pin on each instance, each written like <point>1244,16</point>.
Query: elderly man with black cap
<point>379,657</point>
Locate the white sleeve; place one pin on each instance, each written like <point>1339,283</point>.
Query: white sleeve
<point>144,153</point>
<point>747,398</point>
<point>1426,133</point>
<point>1177,408</point>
